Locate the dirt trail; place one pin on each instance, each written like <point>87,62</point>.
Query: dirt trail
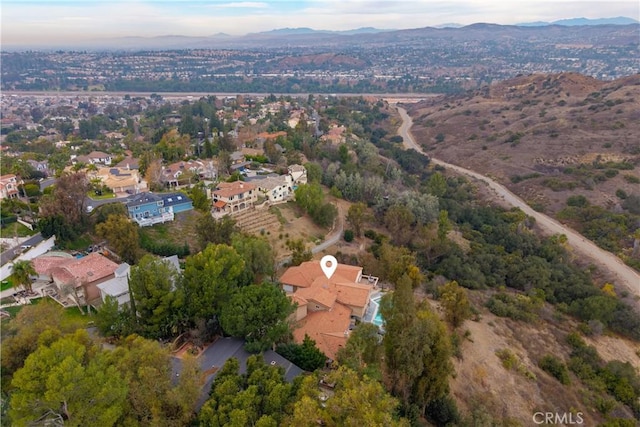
<point>625,276</point>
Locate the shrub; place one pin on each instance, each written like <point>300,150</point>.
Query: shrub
<point>556,368</point>
<point>348,236</point>
<point>579,201</point>
<point>621,194</point>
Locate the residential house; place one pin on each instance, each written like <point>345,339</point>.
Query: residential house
<point>202,169</point>
<point>233,197</point>
<point>76,279</point>
<point>96,157</point>
<point>120,180</point>
<point>9,186</point>
<point>151,208</point>
<point>275,188</point>
<point>129,163</point>
<point>327,308</point>
<point>118,287</point>
<point>335,135</point>
<point>238,161</point>
<point>298,174</point>
<point>42,166</point>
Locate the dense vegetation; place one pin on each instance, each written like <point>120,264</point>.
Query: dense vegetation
<point>406,215</point>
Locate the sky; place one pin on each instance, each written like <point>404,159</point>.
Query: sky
<point>28,22</point>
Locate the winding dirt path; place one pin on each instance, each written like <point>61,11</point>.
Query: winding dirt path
<point>625,276</point>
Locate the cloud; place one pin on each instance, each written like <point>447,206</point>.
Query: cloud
<point>243,5</point>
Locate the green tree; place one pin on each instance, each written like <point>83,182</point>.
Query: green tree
<point>257,254</point>
<point>153,399</point>
<point>396,261</point>
<point>455,302</point>
<point>258,398</point>
<point>314,172</point>
<point>398,219</point>
<point>69,380</point>
<point>444,226</point>
<point>363,351</point>
<point>417,349</point>
<point>199,198</point>
<point>56,225</point>
<point>21,272</point>
<point>211,278</point>
<point>357,217</point>
<point>356,401</point>
<point>257,313</point>
<point>21,336</point>
<point>114,320</point>
<point>437,185</point>
<point>305,355</point>
<point>158,297</point>
<point>122,235</point>
<point>102,213</point>
<point>210,230</point>
<point>299,251</point>
<point>309,197</point>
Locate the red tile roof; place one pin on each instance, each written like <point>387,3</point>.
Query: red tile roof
<point>228,189</point>
<point>90,268</point>
<point>304,274</point>
<point>329,329</point>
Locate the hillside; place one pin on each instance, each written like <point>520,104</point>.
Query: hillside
<point>540,125</point>
<point>484,387</point>
<point>547,138</point>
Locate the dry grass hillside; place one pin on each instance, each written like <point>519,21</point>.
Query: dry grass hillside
<point>483,386</point>
<point>545,136</point>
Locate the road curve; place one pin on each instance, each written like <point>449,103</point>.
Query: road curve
<point>626,277</point>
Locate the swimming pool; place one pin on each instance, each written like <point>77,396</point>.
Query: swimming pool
<point>377,318</point>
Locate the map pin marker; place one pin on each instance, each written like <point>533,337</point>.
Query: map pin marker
<point>328,263</point>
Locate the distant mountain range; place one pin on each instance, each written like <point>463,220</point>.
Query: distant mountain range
<point>308,37</point>
<point>620,20</point>
<point>306,30</point>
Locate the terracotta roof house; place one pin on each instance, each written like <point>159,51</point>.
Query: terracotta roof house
<point>327,308</point>
<point>233,197</point>
<point>84,274</point>
<point>9,186</point>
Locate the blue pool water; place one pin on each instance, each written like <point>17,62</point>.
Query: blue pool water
<point>377,319</point>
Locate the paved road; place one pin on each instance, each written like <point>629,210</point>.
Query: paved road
<point>625,275</point>
<point>9,254</point>
<point>99,202</point>
<point>334,237</point>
